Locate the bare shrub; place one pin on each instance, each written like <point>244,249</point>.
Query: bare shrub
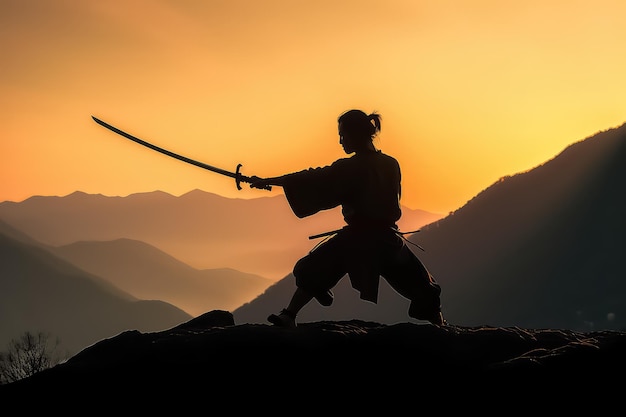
<point>26,356</point>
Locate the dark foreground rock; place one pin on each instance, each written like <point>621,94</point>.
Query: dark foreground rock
<point>212,355</point>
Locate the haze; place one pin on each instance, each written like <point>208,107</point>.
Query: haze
<point>469,91</point>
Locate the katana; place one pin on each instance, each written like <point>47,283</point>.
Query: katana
<point>236,175</point>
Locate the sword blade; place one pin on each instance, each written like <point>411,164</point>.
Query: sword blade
<point>170,153</point>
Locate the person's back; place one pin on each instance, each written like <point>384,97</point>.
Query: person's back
<point>373,191</point>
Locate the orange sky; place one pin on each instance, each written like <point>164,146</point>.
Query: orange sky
<point>469,91</point>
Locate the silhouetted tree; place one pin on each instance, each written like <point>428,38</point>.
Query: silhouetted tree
<point>27,356</point>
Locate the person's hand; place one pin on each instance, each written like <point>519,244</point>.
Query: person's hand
<point>256,182</point>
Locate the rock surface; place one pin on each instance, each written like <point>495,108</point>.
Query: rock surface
<point>212,354</point>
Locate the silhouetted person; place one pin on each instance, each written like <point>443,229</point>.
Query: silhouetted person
<point>367,187</point>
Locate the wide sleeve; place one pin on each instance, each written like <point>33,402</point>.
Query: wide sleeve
<point>313,190</point>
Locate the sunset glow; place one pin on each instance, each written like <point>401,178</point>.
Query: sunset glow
<point>469,91</point>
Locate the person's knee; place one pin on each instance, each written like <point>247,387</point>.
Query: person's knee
<point>325,298</point>
<point>301,267</point>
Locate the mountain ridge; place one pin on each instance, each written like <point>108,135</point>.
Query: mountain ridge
<point>202,229</point>
<point>555,233</point>
<point>149,273</point>
<point>42,292</point>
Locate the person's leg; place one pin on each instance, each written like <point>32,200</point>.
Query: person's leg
<point>409,277</point>
<point>315,274</point>
<point>299,299</point>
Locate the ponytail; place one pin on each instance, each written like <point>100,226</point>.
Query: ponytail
<point>375,120</point>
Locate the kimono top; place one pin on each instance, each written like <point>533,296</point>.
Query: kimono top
<point>366,185</point>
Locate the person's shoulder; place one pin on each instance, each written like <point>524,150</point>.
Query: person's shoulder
<point>389,161</point>
<point>343,161</point>
<point>386,156</point>
<point>383,154</point>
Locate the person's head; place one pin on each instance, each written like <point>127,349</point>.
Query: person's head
<point>357,130</point>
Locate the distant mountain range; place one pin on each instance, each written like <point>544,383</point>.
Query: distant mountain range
<point>206,231</point>
<point>539,249</point>
<point>88,235</point>
<point>125,269</point>
<point>150,274</point>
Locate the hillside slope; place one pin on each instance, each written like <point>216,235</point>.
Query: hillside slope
<point>41,292</point>
<point>150,274</point>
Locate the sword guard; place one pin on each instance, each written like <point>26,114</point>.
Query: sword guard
<point>238,177</point>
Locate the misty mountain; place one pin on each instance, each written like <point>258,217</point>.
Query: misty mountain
<point>13,233</point>
<point>151,274</point>
<point>260,236</point>
<point>42,292</point>
<point>543,248</point>
<point>539,249</point>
